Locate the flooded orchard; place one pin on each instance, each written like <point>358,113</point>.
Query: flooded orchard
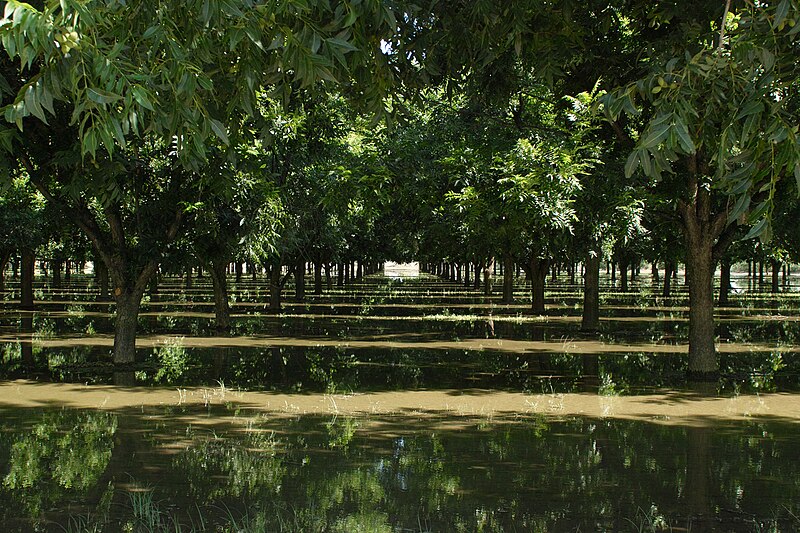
<point>400,402</point>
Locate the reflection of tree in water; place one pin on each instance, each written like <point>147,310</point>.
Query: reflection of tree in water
<point>58,458</point>
<point>346,474</point>
<point>246,467</point>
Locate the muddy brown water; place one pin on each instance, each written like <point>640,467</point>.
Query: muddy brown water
<point>363,411</point>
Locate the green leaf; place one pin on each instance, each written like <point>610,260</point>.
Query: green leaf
<point>341,43</point>
<point>656,135</point>
<point>149,32</point>
<point>632,164</point>
<point>219,130</point>
<point>684,139</point>
<point>740,207</point>
<point>102,97</point>
<point>756,230</point>
<point>797,174</point>
<point>781,12</point>
<point>752,107</point>
<point>140,95</point>
<point>32,103</point>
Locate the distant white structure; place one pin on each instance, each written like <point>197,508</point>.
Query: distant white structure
<point>401,270</point>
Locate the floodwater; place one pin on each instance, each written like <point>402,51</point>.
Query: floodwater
<point>400,403</point>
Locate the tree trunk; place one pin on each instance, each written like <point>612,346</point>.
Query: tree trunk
<point>222,310</point>
<point>724,281</point>
<point>476,282</point>
<point>339,274</point>
<point>669,269</point>
<point>239,270</point>
<point>3,262</point>
<point>26,288</point>
<point>487,277</point>
<point>55,266</point>
<point>776,273</point>
<point>67,270</point>
<point>153,288</point>
<point>703,364</point>
<point>318,277</point>
<point>538,275</point>
<point>189,277</point>
<point>328,279</point>
<point>101,273</point>
<point>508,280</point>
<point>125,326</point>
<point>654,272</point>
<point>300,281</point>
<point>275,288</point>
<point>360,270</point>
<point>466,274</point>
<point>623,275</point>
<point>591,293</point>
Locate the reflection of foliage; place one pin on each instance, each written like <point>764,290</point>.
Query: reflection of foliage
<point>63,453</point>
<point>173,360</point>
<point>366,522</point>
<point>337,373</point>
<point>341,431</point>
<point>222,468</point>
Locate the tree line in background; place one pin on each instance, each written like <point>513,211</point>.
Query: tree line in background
<point>160,136</point>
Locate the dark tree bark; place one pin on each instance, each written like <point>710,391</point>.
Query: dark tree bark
<point>724,281</point>
<point>328,279</point>
<point>4,258</point>
<point>26,346</point>
<point>466,274</point>
<point>300,280</point>
<point>239,270</point>
<point>318,277</point>
<point>537,272</point>
<point>476,282</point>
<point>275,287</point>
<point>591,293</point>
<point>127,308</point>
<point>26,288</point>
<point>623,275</point>
<point>508,279</point>
<point>360,270</point>
<point>222,310</point>
<point>56,265</point>
<point>776,275</point>
<point>669,269</point>
<point>339,274</point>
<point>67,270</point>
<point>101,276</point>
<point>487,277</point>
<point>654,272</point>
